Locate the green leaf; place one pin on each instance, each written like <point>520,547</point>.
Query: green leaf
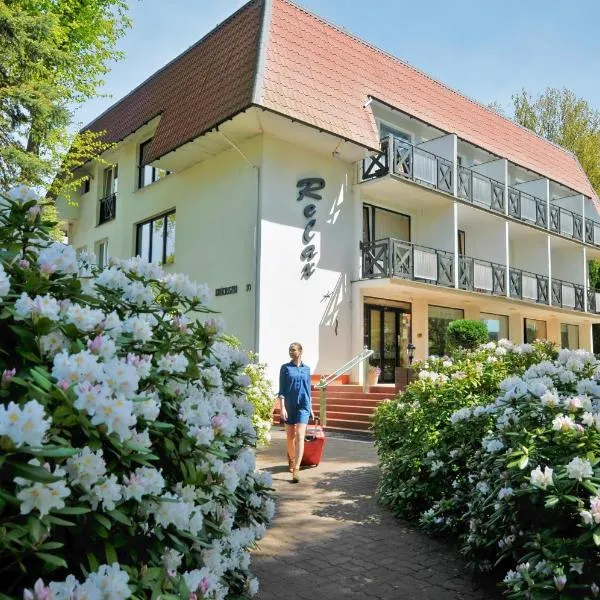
<point>52,451</point>
<point>52,560</point>
<point>73,510</point>
<point>41,378</point>
<point>35,529</point>
<point>596,537</point>
<point>121,517</point>
<point>57,521</point>
<point>104,521</point>
<point>523,462</point>
<point>92,561</point>
<point>111,555</point>
<point>551,501</point>
<point>51,546</point>
<point>33,473</point>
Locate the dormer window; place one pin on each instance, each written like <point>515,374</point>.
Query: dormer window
<point>147,174</point>
<point>386,130</point>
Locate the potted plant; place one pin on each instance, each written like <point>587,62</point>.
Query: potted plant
<point>373,374</point>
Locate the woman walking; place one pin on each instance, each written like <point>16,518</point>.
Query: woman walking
<point>295,406</point>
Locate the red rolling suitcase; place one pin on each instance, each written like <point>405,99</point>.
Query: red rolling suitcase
<point>314,442</point>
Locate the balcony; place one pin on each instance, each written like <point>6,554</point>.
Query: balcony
<point>410,162</point>
<point>479,189</point>
<point>108,208</point>
<point>528,208</point>
<point>391,257</point>
<point>474,186</point>
<point>397,258</point>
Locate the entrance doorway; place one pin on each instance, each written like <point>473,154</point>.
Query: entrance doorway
<point>388,333</point>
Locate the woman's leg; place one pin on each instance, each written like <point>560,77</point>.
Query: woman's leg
<point>299,443</point>
<point>290,431</point>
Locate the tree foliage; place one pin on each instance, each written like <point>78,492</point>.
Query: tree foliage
<point>54,54</point>
<point>563,118</point>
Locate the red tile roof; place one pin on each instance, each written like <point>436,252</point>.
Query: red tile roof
<point>314,72</point>
<point>320,74</point>
<point>210,82</point>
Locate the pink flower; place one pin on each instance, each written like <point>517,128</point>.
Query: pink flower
<point>7,375</point>
<point>63,384</point>
<point>95,344</point>
<point>24,264</point>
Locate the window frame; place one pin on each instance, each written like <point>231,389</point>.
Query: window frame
<point>138,234</point>
<point>568,325</point>
<point>103,243</point>
<point>141,168</point>
<point>369,210</point>
<point>429,307</point>
<point>407,136</point>
<point>462,242</point>
<point>482,319</point>
<point>525,319</point>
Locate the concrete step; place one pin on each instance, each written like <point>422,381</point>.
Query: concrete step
<point>350,394</point>
<point>346,407</point>
<point>380,389</point>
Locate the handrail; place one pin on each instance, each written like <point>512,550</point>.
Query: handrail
<point>325,381</point>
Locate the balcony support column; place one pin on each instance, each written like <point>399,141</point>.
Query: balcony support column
<point>507,257</point>
<point>549,243</point>
<point>586,282</point>
<point>455,225</point>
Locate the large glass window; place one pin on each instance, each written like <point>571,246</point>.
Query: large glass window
<point>386,131</point>
<point>380,223</point>
<point>155,239</point>
<point>110,181</point>
<point>497,326</point>
<point>101,248</point>
<point>534,330</point>
<point>148,174</point>
<point>439,318</point>
<point>569,336</point>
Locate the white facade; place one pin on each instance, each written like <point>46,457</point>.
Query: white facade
<point>240,228</point>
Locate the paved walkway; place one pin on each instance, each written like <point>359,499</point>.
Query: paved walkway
<point>331,540</point>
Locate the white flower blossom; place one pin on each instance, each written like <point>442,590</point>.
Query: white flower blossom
<point>541,479</point>
<point>579,469</point>
<point>24,426</point>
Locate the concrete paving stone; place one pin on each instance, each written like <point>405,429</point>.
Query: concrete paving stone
<point>331,540</point>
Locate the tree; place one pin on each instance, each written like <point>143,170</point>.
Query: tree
<point>570,122</point>
<point>53,56</point>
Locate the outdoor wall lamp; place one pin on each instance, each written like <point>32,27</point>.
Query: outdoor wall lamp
<point>410,349</point>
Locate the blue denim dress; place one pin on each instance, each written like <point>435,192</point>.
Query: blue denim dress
<point>294,386</point>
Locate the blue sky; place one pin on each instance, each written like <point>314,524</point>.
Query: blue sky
<point>487,50</point>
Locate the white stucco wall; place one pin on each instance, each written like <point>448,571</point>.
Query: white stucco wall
<point>567,262</point>
<point>215,203</point>
<point>316,311</point>
<point>529,253</point>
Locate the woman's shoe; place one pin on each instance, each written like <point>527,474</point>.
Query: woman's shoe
<point>296,475</point>
<point>290,464</point>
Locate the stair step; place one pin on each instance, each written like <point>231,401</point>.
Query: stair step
<point>347,424</point>
<point>349,394</point>
<point>382,389</point>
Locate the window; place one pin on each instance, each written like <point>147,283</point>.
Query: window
<point>101,248</point>
<point>110,181</point>
<point>461,242</point>
<point>534,330</point>
<point>569,336</point>
<point>155,239</point>
<point>85,185</point>
<point>439,318</point>
<point>497,326</point>
<point>386,131</point>
<point>380,223</point>
<point>148,174</point>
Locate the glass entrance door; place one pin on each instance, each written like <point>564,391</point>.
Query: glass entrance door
<point>387,333</point>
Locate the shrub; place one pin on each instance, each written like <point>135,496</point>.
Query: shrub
<point>517,479</point>
<point>412,426</point>
<point>127,466</point>
<point>466,334</point>
<point>260,393</point>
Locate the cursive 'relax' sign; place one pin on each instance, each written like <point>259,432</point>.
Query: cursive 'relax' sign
<point>308,188</point>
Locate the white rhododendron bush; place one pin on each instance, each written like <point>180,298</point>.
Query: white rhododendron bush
<point>517,478</point>
<point>127,466</point>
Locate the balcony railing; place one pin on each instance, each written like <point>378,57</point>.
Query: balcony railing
<point>527,208</point>
<point>593,301</point>
<point>396,258</point>
<point>410,162</point>
<point>480,189</point>
<point>478,275</point>
<point>567,295</point>
<point>528,286</point>
<point>592,232</point>
<point>566,222</point>
<point>108,208</point>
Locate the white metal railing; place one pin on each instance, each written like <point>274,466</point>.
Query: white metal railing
<point>425,166</point>
<point>483,276</point>
<point>528,208</point>
<point>425,264</point>
<point>482,190</point>
<point>568,295</point>
<point>529,289</point>
<point>325,381</point>
<point>596,234</point>
<point>566,223</point>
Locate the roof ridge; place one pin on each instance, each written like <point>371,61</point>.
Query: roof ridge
<point>214,30</point>
<point>424,74</point>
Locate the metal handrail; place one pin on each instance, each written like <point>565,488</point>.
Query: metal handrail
<point>325,381</point>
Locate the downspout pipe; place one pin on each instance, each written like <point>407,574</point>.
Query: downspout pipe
<point>257,239</point>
